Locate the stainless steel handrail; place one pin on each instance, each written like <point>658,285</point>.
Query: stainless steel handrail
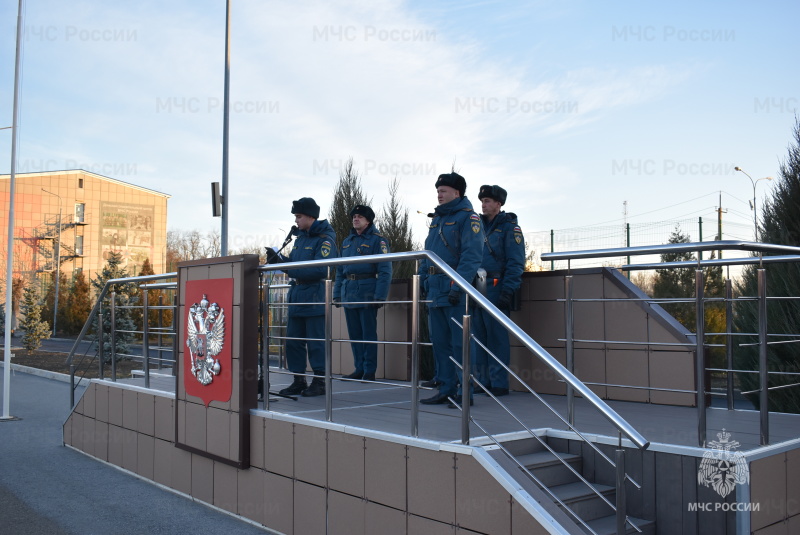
<point>610,414</point>
<point>725,245</point>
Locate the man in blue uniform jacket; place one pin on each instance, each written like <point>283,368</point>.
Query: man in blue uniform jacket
<point>315,240</point>
<point>503,262</point>
<point>360,283</point>
<point>455,236</point>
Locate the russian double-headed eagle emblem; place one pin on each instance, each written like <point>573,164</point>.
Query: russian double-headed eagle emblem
<point>205,333</point>
<point>722,468</point>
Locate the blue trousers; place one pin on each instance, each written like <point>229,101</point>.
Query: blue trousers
<point>362,324</point>
<point>495,337</point>
<point>305,327</point>
<point>446,340</point>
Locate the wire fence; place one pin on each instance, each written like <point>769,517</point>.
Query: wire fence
<point>623,235</point>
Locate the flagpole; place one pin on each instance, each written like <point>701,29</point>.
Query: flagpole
<point>225,132</point>
<point>10,244</point>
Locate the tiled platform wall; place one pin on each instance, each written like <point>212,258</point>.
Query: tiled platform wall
<point>303,479</point>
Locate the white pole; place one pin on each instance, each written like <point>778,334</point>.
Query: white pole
<point>10,248</point>
<point>225,132</point>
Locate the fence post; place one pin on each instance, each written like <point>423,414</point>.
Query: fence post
<point>466,358</point>
<point>415,316</point>
<point>112,335</point>
<point>700,365</point>
<point>552,248</point>
<point>621,498</point>
<point>328,349</point>
<point>763,370</point>
<point>570,346</point>
<point>729,340</point>
<point>145,339</point>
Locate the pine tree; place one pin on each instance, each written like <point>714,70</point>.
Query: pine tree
<point>393,225</point>
<point>50,301</point>
<point>123,321</point>
<point>677,282</point>
<point>35,329</point>
<point>79,304</point>
<point>346,194</point>
<point>780,224</point>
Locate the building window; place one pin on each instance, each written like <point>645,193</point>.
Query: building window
<point>80,183</point>
<point>79,212</point>
<point>79,245</point>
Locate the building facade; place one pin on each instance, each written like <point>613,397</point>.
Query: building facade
<point>76,219</point>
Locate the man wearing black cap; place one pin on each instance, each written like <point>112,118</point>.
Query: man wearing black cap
<point>315,239</point>
<point>455,236</point>
<point>359,283</point>
<point>503,263</point>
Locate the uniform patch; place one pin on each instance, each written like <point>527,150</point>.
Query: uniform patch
<point>326,248</point>
<point>450,223</point>
<point>476,227</point>
<point>517,229</point>
<point>384,247</point>
<point>475,217</point>
<point>518,238</point>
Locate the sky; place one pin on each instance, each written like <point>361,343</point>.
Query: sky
<point>577,108</point>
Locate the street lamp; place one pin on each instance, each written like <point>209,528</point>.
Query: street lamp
<point>754,182</point>
<point>58,261</point>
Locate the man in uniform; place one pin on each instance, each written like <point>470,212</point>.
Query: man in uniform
<point>455,236</point>
<point>315,240</point>
<point>360,283</point>
<point>504,262</point>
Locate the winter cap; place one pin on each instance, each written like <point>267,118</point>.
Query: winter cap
<point>493,192</point>
<point>454,180</point>
<point>306,206</point>
<point>363,210</point>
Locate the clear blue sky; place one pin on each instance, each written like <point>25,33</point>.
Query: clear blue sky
<point>572,106</point>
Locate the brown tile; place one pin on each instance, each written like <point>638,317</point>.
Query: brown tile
<point>384,520</point>
<point>115,406</point>
<point>130,409</point>
<point>145,455</point>
<point>385,461</point>
<point>481,503</point>
<point>279,503</point>
<point>396,363</point>
<point>196,433</point>
<point>590,367</point>
<point>217,432</point>
<point>545,322</point>
<point>181,471</point>
<point>346,514</point>
<point>76,434</point>
<point>793,483</point>
<point>431,484</point>
<point>420,525</point>
<point>88,435</point>
<point>279,447</point>
<point>234,438</point>
<point>101,402</point>
<point>180,424</point>
<point>226,487</point>
<point>672,369</point>
<point>768,488</point>
<point>781,528</point>
<point>346,466</point>
<point>146,414</point>
<point>251,494</point>
<point>523,522</point>
<point>588,321</point>
<point>89,400</point>
<point>130,449</point>
<point>164,414</point>
<point>202,479</point>
<point>257,441</point>
<point>162,462</point>
<point>543,287</point>
<point>222,270</point>
<point>101,440</point>
<point>310,517</point>
<point>627,322</point>
<point>627,367</point>
<point>310,463</point>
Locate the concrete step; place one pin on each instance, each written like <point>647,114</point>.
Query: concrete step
<point>583,501</point>
<point>549,469</point>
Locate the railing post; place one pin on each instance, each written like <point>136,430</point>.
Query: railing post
<point>700,364</point>
<point>145,339</point>
<point>466,357</point>
<point>763,370</point>
<point>415,316</point>
<point>174,328</point>
<point>160,340</point>
<point>570,336</point>
<point>111,334</point>
<point>100,354</point>
<point>328,349</point>
<point>621,498</point>
<point>729,340</point>
<point>266,325</point>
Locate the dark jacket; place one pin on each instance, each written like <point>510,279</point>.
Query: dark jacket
<point>363,282</point>
<point>503,252</point>
<point>308,286</point>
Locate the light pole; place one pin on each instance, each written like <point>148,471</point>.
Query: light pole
<point>58,261</point>
<point>754,182</point>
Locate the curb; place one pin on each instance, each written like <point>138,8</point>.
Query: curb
<point>64,378</point>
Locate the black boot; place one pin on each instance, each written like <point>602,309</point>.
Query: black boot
<point>296,388</point>
<point>317,386</point>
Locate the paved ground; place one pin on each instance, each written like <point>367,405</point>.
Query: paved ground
<point>48,488</point>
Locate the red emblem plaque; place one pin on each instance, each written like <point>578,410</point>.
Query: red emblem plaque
<point>208,317</point>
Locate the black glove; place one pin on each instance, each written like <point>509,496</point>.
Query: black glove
<point>379,304</point>
<point>505,300</point>
<point>337,304</point>
<point>273,257</point>
<point>454,297</point>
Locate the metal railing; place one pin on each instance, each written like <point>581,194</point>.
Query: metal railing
<point>474,299</point>
<point>699,300</point>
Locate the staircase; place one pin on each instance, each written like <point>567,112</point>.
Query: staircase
<point>552,471</point>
